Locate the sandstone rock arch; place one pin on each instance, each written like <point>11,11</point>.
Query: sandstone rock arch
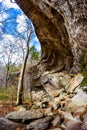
<point>61,26</point>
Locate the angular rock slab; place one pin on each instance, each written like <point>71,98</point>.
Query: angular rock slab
<point>80,99</point>
<point>23,116</point>
<point>5,124</point>
<point>40,124</point>
<point>75,82</point>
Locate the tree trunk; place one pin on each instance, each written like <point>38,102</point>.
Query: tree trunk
<point>20,85</point>
<point>6,76</point>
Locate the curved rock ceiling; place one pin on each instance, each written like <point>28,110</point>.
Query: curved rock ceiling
<point>61,26</point>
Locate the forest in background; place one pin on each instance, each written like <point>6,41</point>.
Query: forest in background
<point>18,44</point>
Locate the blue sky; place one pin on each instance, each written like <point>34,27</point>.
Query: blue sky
<point>11,21</point>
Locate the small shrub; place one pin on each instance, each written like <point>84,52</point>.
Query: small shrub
<point>84,82</point>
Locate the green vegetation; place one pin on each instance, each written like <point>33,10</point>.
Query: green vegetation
<point>8,94</point>
<point>12,92</point>
<point>83,84</point>
<point>3,95</point>
<point>34,54</point>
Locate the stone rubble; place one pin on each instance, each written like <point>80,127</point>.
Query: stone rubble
<point>66,111</point>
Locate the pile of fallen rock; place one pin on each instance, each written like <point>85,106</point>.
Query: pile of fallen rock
<point>65,111</point>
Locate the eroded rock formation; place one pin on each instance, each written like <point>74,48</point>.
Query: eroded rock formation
<point>61,26</point>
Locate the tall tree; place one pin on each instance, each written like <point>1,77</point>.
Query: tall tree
<point>20,84</point>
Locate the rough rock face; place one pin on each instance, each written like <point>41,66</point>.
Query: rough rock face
<point>61,26</point>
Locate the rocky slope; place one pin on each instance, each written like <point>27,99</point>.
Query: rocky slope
<point>62,109</point>
<point>66,111</point>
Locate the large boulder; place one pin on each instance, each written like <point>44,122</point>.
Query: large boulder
<point>80,98</point>
<point>41,124</point>
<point>23,116</point>
<point>5,124</point>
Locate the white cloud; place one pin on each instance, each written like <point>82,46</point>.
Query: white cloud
<point>22,26</point>
<point>7,37</point>
<point>8,4</point>
<point>1,24</point>
<point>20,18</point>
<point>3,16</point>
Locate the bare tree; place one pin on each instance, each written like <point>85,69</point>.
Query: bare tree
<point>9,51</point>
<point>9,55</point>
<point>20,85</point>
<point>22,38</point>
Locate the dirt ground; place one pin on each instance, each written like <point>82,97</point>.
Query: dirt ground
<point>6,108</point>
